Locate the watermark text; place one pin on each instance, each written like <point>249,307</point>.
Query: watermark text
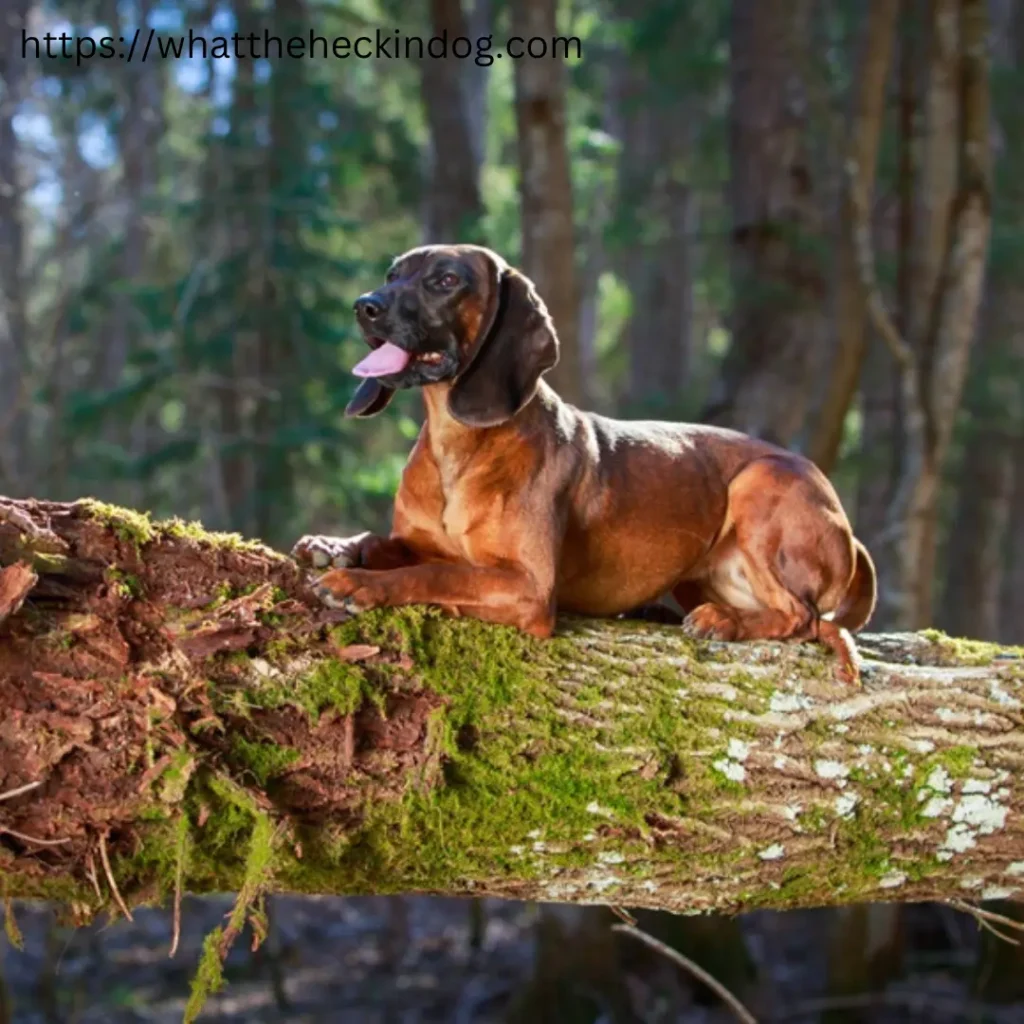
<point>148,44</point>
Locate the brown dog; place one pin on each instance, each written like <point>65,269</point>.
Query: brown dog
<point>514,504</point>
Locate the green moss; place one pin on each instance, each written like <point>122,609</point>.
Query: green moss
<point>11,929</point>
<point>197,533</point>
<point>59,639</point>
<point>519,770</point>
<point>209,976</point>
<point>230,813</point>
<point>224,593</point>
<point>174,779</point>
<point>479,668</point>
<point>46,562</point>
<point>139,529</point>
<point>958,761</point>
<point>331,683</point>
<point>127,585</point>
<point>265,760</point>
<point>968,652</point>
<point>256,877</point>
<point>128,525</point>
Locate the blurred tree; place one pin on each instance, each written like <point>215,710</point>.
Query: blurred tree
<point>979,536</point>
<point>15,477</point>
<point>657,212</point>
<point>545,183</point>
<point>1011,626</point>
<point>879,451</point>
<point>864,137</point>
<point>779,281</point>
<point>950,238</point>
<point>453,203</point>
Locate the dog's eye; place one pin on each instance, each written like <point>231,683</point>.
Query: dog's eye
<point>448,280</point>
<point>392,275</point>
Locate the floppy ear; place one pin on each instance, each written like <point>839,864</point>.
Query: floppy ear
<point>510,356</point>
<point>371,397</point>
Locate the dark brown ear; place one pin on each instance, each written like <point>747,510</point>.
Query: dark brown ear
<point>371,397</point>
<point>510,358</point>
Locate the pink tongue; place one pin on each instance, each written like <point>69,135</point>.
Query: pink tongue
<point>382,361</point>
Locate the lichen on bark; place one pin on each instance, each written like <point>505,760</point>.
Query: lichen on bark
<point>174,695</point>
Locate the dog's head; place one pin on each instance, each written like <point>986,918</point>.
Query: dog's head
<point>455,313</point>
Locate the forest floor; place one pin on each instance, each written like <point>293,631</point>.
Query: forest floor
<point>412,961</point>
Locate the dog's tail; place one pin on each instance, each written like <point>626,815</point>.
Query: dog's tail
<point>859,604</point>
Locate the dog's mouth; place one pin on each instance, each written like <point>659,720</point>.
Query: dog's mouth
<point>387,358</point>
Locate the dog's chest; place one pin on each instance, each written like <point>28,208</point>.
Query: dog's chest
<point>460,504</point>
<point>440,503</point>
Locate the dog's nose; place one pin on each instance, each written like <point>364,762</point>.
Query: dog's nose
<point>369,306</point>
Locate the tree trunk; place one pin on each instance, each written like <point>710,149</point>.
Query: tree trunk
<point>1012,604</point>
<point>882,441</point>
<point>179,707</point>
<point>950,247</point>
<point>778,277</point>
<point>280,322</point>
<point>851,312</point>
<point>476,79</point>
<point>658,207</point>
<point>453,206</point>
<point>240,175</point>
<point>545,188</point>
<point>878,452</point>
<point>976,553</point>
<point>141,89</point>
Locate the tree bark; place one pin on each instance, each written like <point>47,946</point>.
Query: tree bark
<point>865,134</point>
<point>545,187</point>
<point>779,281</point>
<point>182,717</point>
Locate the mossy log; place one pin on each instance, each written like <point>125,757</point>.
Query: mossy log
<point>179,714</point>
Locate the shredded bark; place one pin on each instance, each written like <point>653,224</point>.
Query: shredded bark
<point>15,583</point>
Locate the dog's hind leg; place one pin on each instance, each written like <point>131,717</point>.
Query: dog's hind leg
<point>786,561</point>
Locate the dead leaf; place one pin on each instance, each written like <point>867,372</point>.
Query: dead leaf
<point>357,652</point>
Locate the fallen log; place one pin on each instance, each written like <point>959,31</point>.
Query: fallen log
<point>180,715</point>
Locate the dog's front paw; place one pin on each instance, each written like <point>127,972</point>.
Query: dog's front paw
<point>709,622</point>
<point>342,590</point>
<point>319,552</point>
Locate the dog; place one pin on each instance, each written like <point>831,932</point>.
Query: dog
<point>515,505</point>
